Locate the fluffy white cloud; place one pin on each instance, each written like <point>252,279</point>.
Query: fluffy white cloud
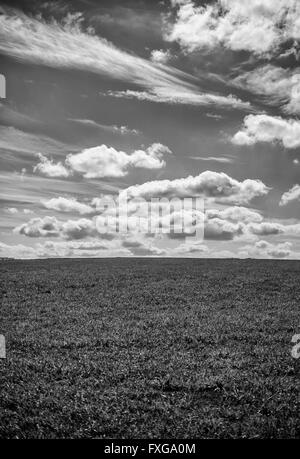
<point>292,195</point>
<point>159,56</point>
<point>266,228</point>
<point>264,128</point>
<point>279,86</point>
<point>142,248</point>
<point>40,227</point>
<point>69,45</point>
<point>17,251</point>
<point>79,229</point>
<point>11,210</point>
<point>230,223</point>
<point>233,223</point>
<point>104,161</point>
<point>62,204</point>
<point>210,184</point>
<point>14,210</point>
<point>191,247</point>
<point>88,249</point>
<point>51,227</point>
<point>257,26</point>
<point>236,222</point>
<point>235,214</point>
<point>65,249</point>
<point>219,229</point>
<point>242,223</point>
<point>264,249</point>
<point>50,169</point>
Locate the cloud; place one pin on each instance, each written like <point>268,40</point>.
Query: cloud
<point>95,206</point>
<point>266,228</point>
<point>217,159</point>
<point>190,248</point>
<point>183,96</point>
<point>17,251</point>
<point>219,229</point>
<point>51,227</point>
<point>289,196</point>
<point>88,249</point>
<point>26,144</point>
<point>264,128</point>
<point>159,56</point>
<point>240,222</point>
<point>79,229</point>
<point>279,86</point>
<point>50,169</point>
<point>264,249</point>
<point>229,224</point>
<point>67,205</point>
<point>214,116</point>
<point>68,44</point>
<point>40,227</point>
<point>104,161</point>
<point>14,210</point>
<point>235,214</point>
<point>96,248</point>
<point>11,210</point>
<point>261,27</point>
<point>210,184</point>
<point>142,248</point>
<point>123,130</point>
<point>78,249</point>
<point>65,249</point>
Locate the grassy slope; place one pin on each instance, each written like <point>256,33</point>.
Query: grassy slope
<point>149,348</point>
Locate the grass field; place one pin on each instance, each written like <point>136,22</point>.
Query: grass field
<point>136,348</point>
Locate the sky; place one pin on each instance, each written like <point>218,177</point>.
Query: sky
<point>172,99</point>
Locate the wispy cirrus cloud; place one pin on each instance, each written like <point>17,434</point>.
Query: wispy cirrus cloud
<point>217,159</point>
<point>68,44</point>
<point>277,85</point>
<point>177,94</point>
<point>123,130</point>
<point>22,142</point>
